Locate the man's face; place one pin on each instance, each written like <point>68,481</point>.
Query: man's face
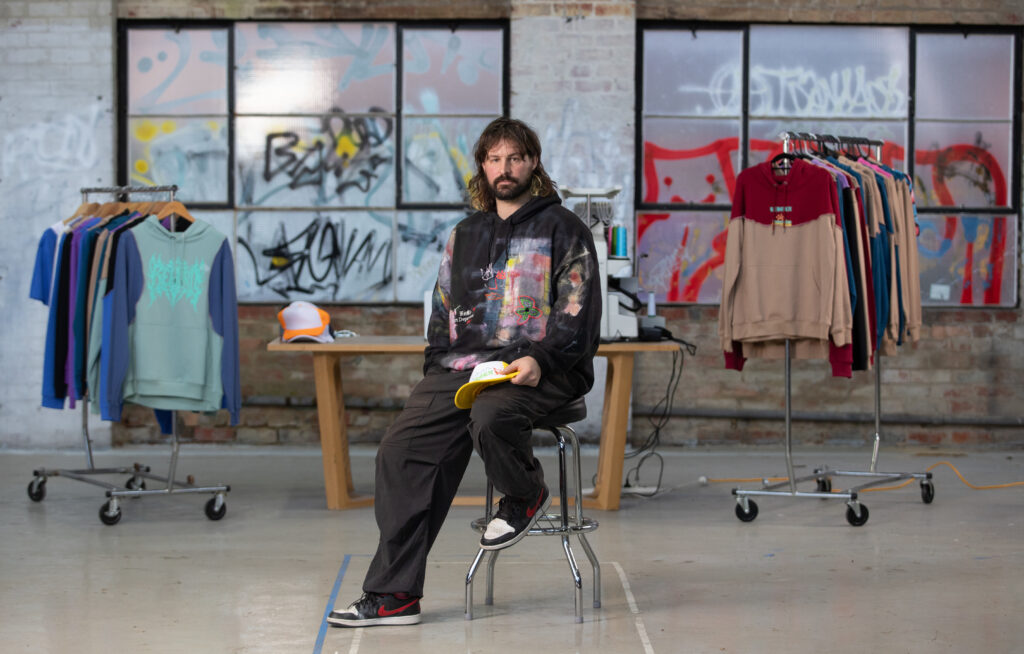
<point>508,171</point>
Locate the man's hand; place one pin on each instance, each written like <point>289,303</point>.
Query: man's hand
<point>529,371</point>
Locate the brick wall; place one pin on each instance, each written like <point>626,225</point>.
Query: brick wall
<point>899,12</point>
<point>314,10</point>
<point>961,384</point>
<point>572,78</point>
<point>56,136</point>
<point>578,97</point>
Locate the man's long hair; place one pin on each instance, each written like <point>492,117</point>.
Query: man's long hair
<point>525,139</point>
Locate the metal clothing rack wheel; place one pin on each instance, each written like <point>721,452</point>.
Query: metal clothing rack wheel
<point>746,508</point>
<point>856,512</point>
<point>825,474</point>
<point>135,485</point>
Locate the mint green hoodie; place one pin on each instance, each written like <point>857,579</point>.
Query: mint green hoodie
<point>173,332</point>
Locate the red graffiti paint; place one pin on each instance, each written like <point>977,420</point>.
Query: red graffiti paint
<point>722,150</point>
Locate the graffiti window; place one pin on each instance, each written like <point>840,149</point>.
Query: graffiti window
<point>703,122</point>
<point>177,113</point>
<point>963,163</point>
<point>451,88</point>
<point>337,153</point>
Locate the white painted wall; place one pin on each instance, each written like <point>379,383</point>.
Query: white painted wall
<point>578,96</point>
<point>56,135</point>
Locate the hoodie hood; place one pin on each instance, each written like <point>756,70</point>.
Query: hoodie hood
<point>532,207</point>
<point>185,231</point>
<point>502,232</point>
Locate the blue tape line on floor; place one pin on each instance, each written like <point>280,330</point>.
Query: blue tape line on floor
<point>330,605</point>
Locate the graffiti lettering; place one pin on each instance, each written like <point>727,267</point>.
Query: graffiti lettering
<point>800,92</point>
<point>344,147</point>
<point>581,146</point>
<point>62,146</point>
<point>846,92</point>
<point>324,258</point>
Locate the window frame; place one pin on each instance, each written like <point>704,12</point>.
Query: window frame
<point>123,172</point>
<point>399,205</point>
<point>1014,178</point>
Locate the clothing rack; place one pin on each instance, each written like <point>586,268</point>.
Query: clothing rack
<point>135,486</point>
<point>856,512</point>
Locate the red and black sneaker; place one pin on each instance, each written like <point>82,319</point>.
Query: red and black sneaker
<point>513,520</point>
<point>373,609</point>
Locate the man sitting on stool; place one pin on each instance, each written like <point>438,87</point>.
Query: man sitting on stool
<point>518,282</point>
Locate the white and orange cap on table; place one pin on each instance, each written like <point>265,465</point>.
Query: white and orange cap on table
<point>304,321</point>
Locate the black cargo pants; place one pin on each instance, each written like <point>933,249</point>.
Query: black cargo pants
<point>423,456</point>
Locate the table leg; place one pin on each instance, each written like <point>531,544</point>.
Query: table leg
<point>614,420</point>
<point>330,401</point>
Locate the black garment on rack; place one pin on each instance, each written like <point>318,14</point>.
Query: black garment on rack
<point>112,246</point>
<point>860,350</point>
<point>60,350</point>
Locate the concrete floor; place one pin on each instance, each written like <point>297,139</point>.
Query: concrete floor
<point>680,572</point>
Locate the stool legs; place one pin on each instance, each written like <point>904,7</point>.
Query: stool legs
<point>597,570</point>
<point>469,582</point>
<point>565,528</point>
<point>574,569</point>
<point>580,521</point>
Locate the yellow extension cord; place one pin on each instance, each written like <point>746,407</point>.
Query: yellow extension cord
<point>884,488</point>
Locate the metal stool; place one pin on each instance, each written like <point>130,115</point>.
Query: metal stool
<point>551,524</point>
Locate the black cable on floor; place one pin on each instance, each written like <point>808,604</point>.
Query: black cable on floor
<point>647,450</point>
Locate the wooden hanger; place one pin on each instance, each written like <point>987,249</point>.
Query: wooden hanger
<point>144,208</point>
<point>84,209</point>
<point>174,208</point>
<point>156,207</point>
<point>111,209</point>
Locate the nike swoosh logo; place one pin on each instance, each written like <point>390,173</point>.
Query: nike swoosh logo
<point>533,509</point>
<point>383,612</point>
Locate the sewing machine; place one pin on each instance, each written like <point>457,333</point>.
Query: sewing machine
<point>618,317</point>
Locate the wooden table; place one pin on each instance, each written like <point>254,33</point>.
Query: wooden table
<point>334,431</point>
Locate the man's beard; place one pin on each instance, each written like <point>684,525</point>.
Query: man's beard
<point>510,192</point>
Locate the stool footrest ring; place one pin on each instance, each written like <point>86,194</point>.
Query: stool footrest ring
<point>567,522</point>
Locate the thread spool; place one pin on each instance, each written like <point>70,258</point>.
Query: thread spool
<point>619,245</point>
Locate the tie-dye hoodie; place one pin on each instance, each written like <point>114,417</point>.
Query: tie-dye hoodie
<point>524,286</point>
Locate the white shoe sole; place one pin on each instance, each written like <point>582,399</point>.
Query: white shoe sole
<point>521,535</point>
<point>396,620</point>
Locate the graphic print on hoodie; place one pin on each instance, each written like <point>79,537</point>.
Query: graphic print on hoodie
<point>524,286</point>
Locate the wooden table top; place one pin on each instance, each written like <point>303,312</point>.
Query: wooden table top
<point>414,344</point>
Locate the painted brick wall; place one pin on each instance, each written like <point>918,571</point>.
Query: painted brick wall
<point>572,78</point>
<point>579,97</point>
<point>314,10</point>
<point>967,12</point>
<point>57,135</point>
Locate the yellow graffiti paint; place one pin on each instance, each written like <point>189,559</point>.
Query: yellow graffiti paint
<point>277,263</point>
<point>145,131</point>
<point>141,166</point>
<point>346,148</point>
<point>168,126</point>
<point>462,164</point>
